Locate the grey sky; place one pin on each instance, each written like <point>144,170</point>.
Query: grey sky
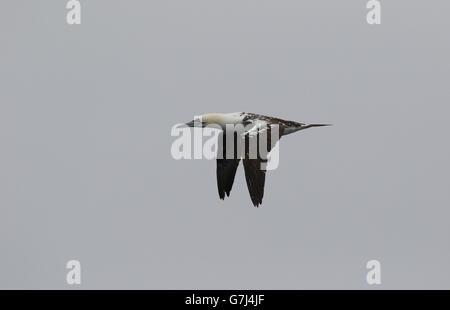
<point>86,171</point>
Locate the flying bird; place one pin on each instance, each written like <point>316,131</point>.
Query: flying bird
<point>256,128</point>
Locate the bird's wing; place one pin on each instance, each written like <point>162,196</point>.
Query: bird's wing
<point>226,168</point>
<point>254,161</point>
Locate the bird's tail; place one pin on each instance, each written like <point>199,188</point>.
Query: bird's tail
<point>300,126</point>
<point>313,125</point>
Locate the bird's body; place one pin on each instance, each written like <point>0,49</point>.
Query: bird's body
<point>254,128</point>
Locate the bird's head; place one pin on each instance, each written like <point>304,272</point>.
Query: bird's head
<point>212,119</point>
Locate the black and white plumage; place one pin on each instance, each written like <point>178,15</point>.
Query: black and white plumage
<point>256,127</point>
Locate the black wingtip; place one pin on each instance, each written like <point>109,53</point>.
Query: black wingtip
<point>256,202</point>
<point>221,195</point>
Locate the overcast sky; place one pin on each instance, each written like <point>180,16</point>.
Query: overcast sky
<point>86,113</point>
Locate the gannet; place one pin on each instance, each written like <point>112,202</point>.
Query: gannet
<point>255,126</point>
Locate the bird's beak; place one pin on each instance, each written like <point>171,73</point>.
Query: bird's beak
<point>190,124</point>
<point>184,125</point>
<point>194,123</point>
